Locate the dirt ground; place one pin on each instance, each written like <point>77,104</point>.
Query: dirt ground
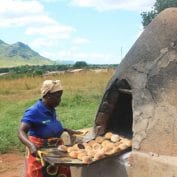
<point>12,165</point>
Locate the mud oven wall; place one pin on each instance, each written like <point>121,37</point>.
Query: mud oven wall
<point>145,87</point>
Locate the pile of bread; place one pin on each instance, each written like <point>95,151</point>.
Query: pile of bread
<point>98,148</point>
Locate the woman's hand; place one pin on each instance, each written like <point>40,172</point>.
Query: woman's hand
<point>22,134</point>
<point>33,149</point>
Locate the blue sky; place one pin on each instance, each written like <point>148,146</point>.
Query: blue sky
<point>95,31</point>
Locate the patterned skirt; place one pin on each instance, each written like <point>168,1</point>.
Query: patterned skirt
<point>34,167</point>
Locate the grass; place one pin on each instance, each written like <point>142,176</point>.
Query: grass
<point>80,101</point>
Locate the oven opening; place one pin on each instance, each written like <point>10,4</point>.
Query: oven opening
<point>121,118</point>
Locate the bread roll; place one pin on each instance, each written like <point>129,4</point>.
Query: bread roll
<point>87,147</point>
<point>117,143</point>
<point>123,146</point>
<point>109,144</point>
<point>128,142</point>
<point>108,135</point>
<point>109,150</point>
<point>96,146</point>
<point>122,140</point>
<point>81,154</point>
<point>99,139</point>
<point>117,149</point>
<point>115,138</point>
<point>73,154</point>
<point>86,159</point>
<point>62,148</point>
<point>105,142</point>
<point>78,146</point>
<point>99,155</point>
<point>91,142</point>
<point>90,152</point>
<point>85,144</point>
<point>70,149</point>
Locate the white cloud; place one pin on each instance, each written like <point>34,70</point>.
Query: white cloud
<point>105,5</point>
<point>19,13</point>
<point>31,16</point>
<point>18,7</point>
<point>25,21</point>
<point>53,1</point>
<point>79,41</point>
<point>52,32</point>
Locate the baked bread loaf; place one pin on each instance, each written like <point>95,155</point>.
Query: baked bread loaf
<point>81,155</point>
<point>109,149</point>
<point>128,142</point>
<point>105,142</point>
<point>87,147</point>
<point>86,159</point>
<point>90,153</point>
<point>62,148</point>
<point>73,154</point>
<point>78,146</point>
<point>123,146</point>
<point>99,139</point>
<point>115,138</point>
<point>70,149</point>
<point>91,142</point>
<point>117,149</point>
<point>108,135</point>
<point>99,155</point>
<point>96,146</point>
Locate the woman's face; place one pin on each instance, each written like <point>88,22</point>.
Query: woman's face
<point>54,99</point>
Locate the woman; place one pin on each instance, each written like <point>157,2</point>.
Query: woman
<point>41,128</point>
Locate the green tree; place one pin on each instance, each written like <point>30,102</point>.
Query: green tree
<point>80,64</point>
<point>159,5</point>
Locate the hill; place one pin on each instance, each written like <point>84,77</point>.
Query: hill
<point>20,54</point>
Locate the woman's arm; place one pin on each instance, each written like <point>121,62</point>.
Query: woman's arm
<point>22,135</point>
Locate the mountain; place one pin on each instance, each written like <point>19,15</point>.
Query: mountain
<point>20,54</point>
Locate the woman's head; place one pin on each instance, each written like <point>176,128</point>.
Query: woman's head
<point>51,92</point>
